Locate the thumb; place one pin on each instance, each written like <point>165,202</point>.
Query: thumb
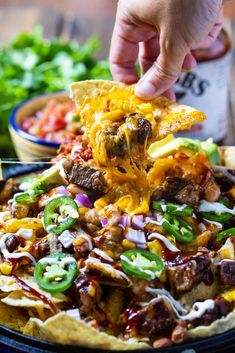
<point>164,71</point>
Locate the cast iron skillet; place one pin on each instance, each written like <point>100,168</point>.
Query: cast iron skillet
<point>14,342</point>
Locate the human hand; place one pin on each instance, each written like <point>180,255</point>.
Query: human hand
<point>161,33</point>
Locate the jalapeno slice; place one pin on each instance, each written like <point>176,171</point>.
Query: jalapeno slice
<point>60,214</point>
<point>220,218</point>
<point>226,233</point>
<point>25,197</point>
<point>173,208</point>
<point>178,228</point>
<point>56,273</point>
<point>141,264</point>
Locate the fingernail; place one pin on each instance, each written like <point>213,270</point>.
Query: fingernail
<point>186,70</point>
<point>145,89</point>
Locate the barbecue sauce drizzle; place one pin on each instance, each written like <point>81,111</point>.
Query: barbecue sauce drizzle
<point>33,292</point>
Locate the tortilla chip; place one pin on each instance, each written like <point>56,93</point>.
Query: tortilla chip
<point>200,292</point>
<point>33,329</point>
<point>218,326</point>
<point>170,116</point>
<point>91,88</point>
<point>21,299</point>
<point>8,284</point>
<point>64,329</point>
<point>13,318</point>
<point>108,272</point>
<point>17,297</point>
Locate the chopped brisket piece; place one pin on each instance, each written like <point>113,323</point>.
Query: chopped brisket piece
<point>221,309</point>
<point>144,130</point>
<point>47,246</point>
<point>190,195</point>
<point>156,318</point>
<point>116,146</point>
<point>185,276</point>
<point>86,293</point>
<point>7,189</point>
<point>227,272</point>
<point>87,177</point>
<point>178,190</point>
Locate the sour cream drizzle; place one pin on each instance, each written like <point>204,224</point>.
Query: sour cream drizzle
<point>216,207</point>
<point>25,233</point>
<point>219,225</point>
<point>198,308</point>
<point>165,293</point>
<point>107,266</point>
<point>16,255</point>
<point>87,238</point>
<point>54,260</point>
<point>102,254</point>
<point>181,207</point>
<point>166,242</point>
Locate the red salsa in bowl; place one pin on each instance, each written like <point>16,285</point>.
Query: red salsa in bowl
<point>53,123</point>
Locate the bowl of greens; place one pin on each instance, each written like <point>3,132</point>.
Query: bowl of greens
<point>31,65</point>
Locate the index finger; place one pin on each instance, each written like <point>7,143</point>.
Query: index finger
<point>123,54</point>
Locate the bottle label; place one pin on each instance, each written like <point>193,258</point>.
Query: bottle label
<point>206,88</point>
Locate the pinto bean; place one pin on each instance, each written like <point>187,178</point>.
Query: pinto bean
<point>179,331</point>
<point>162,342</point>
<point>75,189</point>
<point>12,243</point>
<point>212,192</point>
<point>92,217</point>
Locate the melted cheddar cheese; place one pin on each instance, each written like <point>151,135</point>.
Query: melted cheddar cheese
<point>113,116</point>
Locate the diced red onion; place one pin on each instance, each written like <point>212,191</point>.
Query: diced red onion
<point>135,236</point>
<point>125,221</point>
<point>62,190</point>
<point>149,219</point>
<point>138,222</point>
<point>104,221</point>
<point>75,313</point>
<point>66,238</point>
<point>83,201</point>
<point>158,215</point>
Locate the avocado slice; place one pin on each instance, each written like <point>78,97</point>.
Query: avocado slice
<point>170,145</point>
<point>48,180</point>
<point>211,150</point>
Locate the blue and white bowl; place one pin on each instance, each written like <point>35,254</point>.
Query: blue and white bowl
<point>28,147</point>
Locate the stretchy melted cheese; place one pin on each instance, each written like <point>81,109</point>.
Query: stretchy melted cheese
<point>110,113</point>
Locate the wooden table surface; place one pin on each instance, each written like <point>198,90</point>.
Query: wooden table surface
<point>15,19</point>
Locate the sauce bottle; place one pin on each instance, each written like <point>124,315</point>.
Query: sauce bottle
<point>206,88</point>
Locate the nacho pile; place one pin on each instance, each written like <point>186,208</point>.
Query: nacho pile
<point>128,240</point>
